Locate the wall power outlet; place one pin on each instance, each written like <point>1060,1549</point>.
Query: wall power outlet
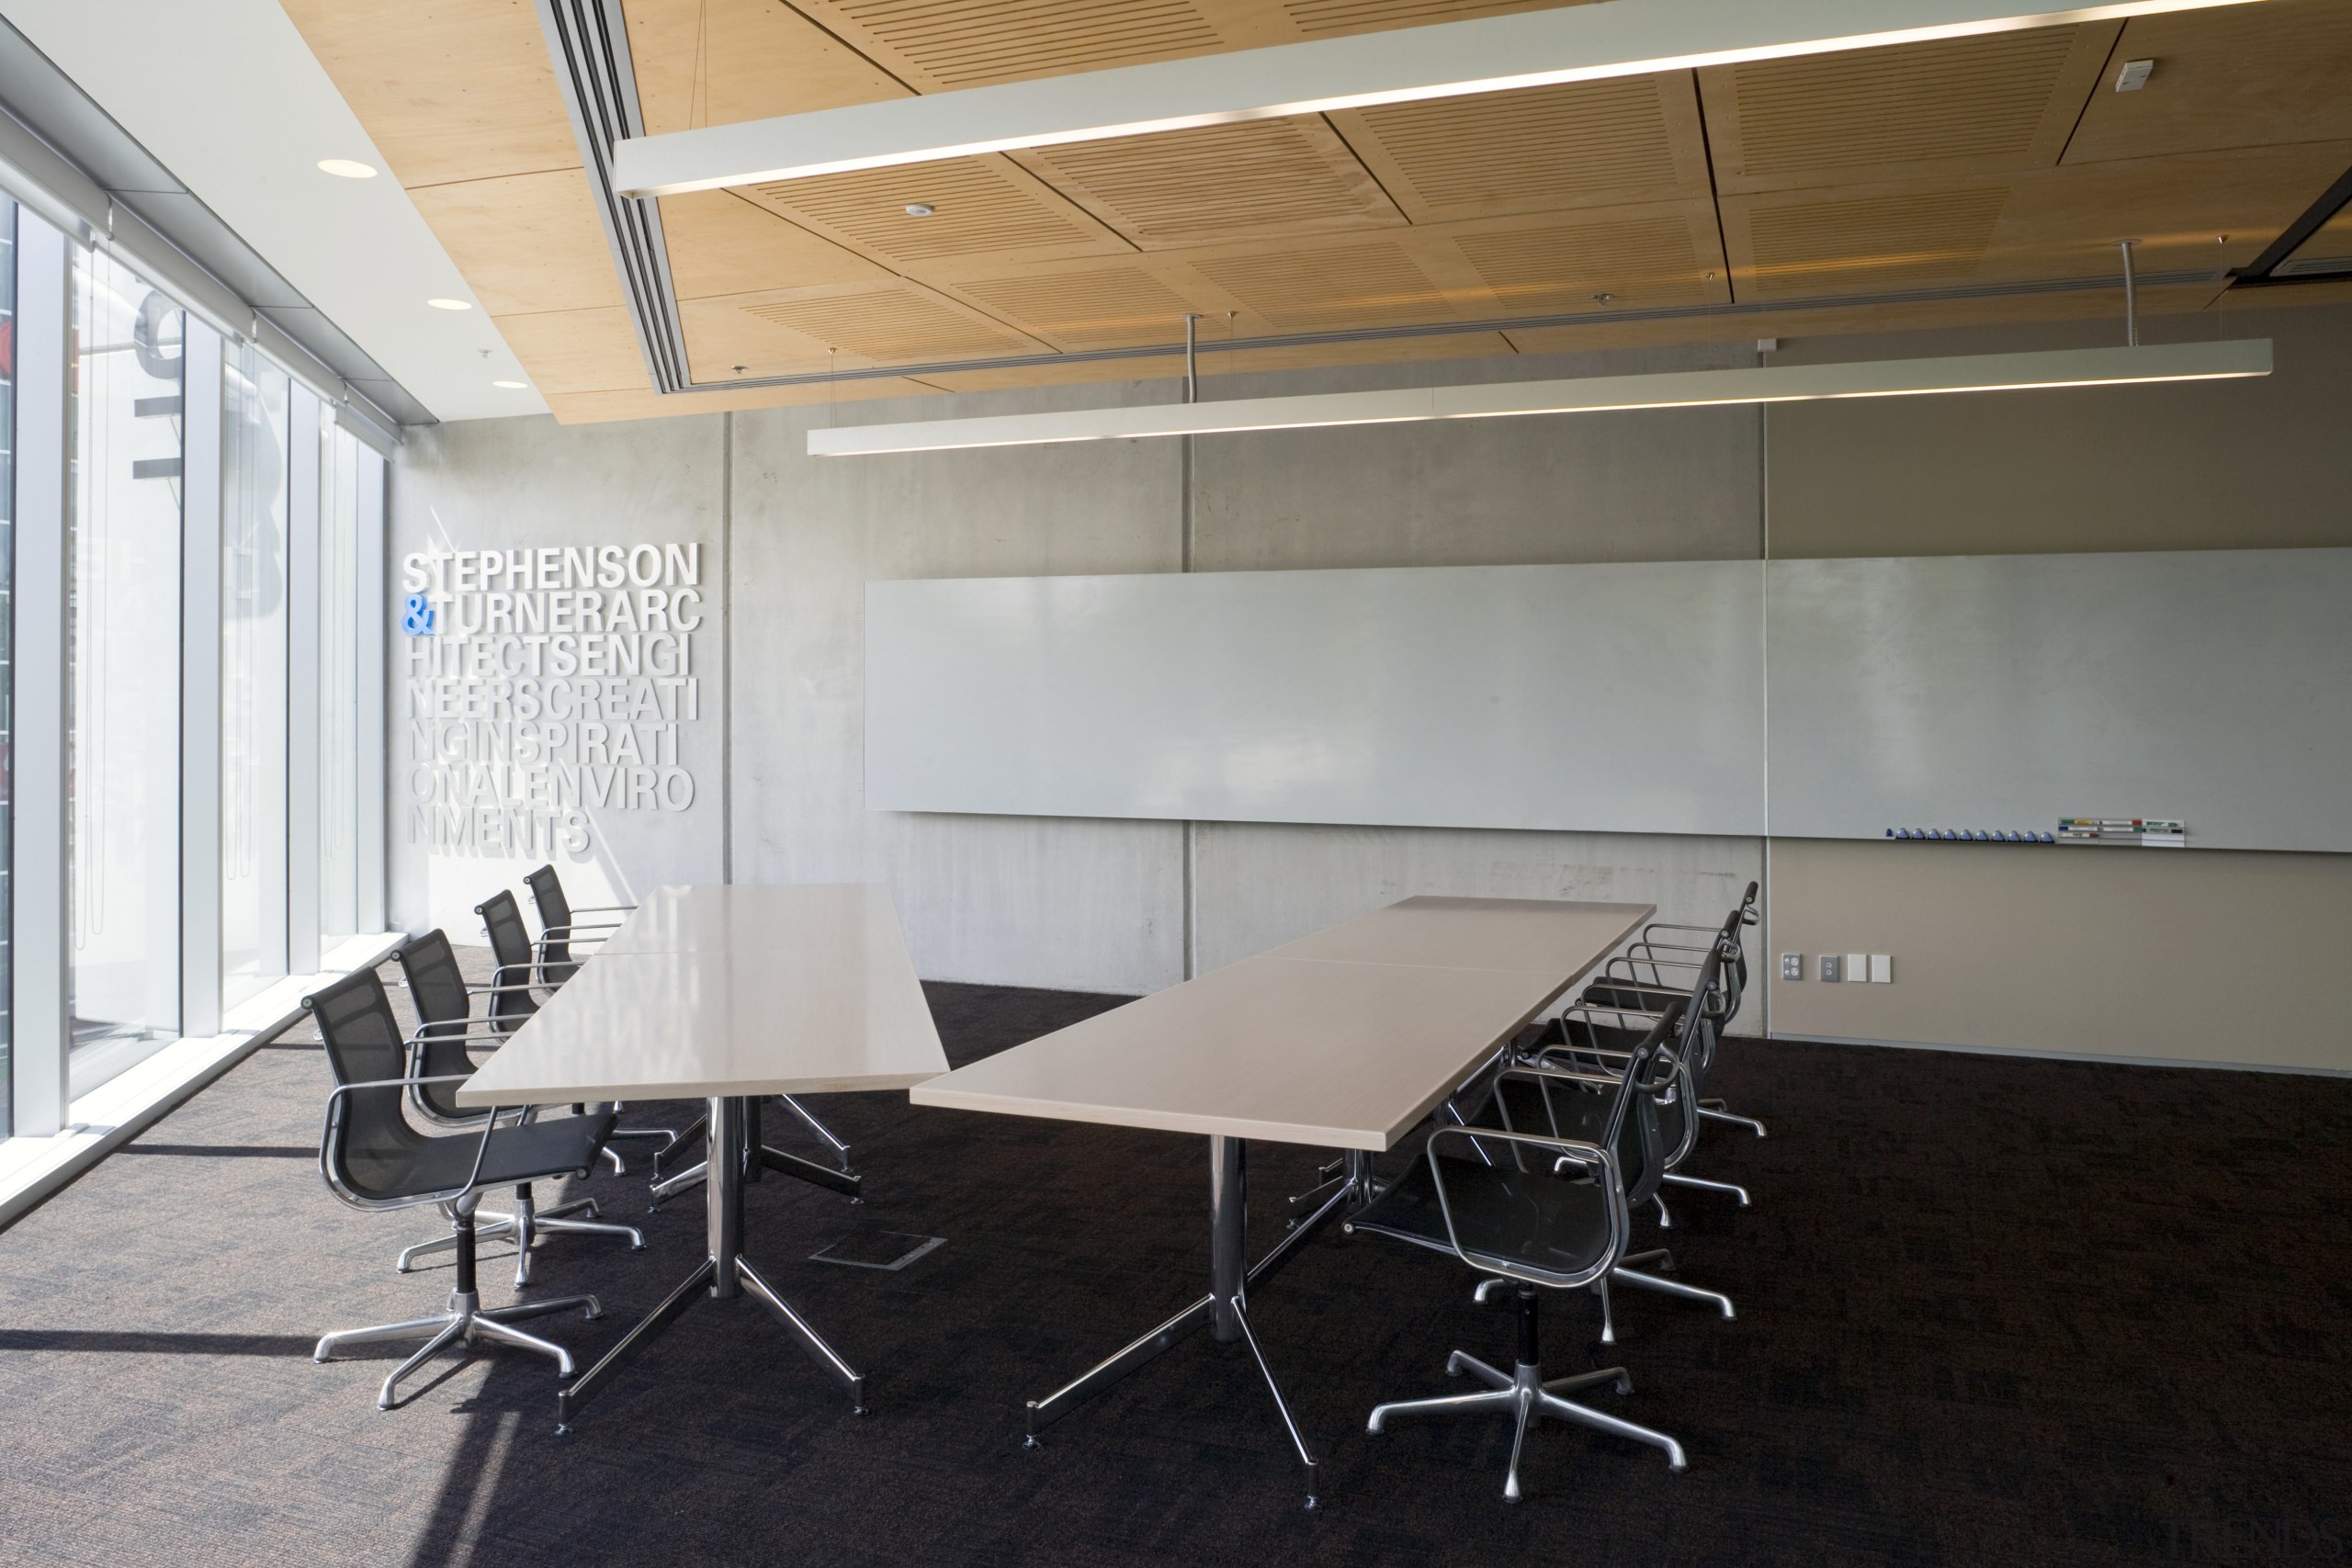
<point>1833,968</point>
<point>1792,966</point>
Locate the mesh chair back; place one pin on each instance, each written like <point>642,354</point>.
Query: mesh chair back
<point>1631,1127</point>
<point>510,943</point>
<point>556,965</point>
<point>370,1147</point>
<point>1735,955</point>
<point>437,986</point>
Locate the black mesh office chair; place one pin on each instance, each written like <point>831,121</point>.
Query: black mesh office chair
<point>1663,945</point>
<point>1546,1212</point>
<point>559,926</point>
<point>515,985</point>
<point>372,1158</point>
<point>441,1047</point>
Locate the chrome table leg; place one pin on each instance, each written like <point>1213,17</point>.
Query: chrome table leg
<point>723,1273</point>
<point>1225,1308</point>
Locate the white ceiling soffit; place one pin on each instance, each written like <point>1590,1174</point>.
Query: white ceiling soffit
<point>1596,394</point>
<point>1443,59</point>
<point>227,96</point>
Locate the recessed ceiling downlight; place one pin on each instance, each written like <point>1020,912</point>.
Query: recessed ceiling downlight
<point>450,304</point>
<point>348,168</point>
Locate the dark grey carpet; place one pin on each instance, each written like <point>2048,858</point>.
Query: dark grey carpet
<point>1991,1312</point>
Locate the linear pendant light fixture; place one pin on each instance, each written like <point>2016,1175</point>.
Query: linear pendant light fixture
<point>1494,399</point>
<point>1441,60</point>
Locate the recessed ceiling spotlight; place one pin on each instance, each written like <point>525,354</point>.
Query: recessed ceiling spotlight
<point>346,168</point>
<point>1602,299</point>
<point>513,386</point>
<point>450,304</point>
<point>919,209</point>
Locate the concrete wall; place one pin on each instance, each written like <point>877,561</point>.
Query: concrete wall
<point>1127,906</point>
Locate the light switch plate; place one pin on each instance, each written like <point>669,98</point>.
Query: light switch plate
<point>1829,967</point>
<point>1881,968</point>
<point>1792,966</point>
<point>1858,968</point>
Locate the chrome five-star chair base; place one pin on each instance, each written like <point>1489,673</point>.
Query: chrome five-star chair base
<point>526,1225</point>
<point>1528,1396</point>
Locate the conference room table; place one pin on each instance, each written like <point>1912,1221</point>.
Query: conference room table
<point>728,994</point>
<point>1344,1040</point>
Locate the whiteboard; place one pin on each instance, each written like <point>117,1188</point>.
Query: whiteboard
<point>1622,698</point>
<point>2214,686</point>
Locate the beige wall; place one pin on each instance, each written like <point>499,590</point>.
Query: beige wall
<point>2197,956</point>
<point>2099,952</point>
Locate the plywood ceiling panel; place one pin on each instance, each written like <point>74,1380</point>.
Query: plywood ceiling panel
<point>899,322</point>
<point>1665,255</point>
<point>721,243</point>
<point>1115,305</point>
<point>1994,105</point>
<point>576,351</point>
<point>524,242</point>
<point>1302,288</point>
<point>448,89</point>
<point>718,61</point>
<point>1221,182</point>
<point>1583,145</point>
<point>988,207</point>
<point>1330,18</point>
<point>2246,76</point>
<point>1807,243</point>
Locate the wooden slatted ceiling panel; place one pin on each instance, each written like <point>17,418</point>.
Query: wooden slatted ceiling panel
<point>1824,246</point>
<point>1223,182</point>
<point>1993,105</point>
<point>982,206</point>
<point>1645,260</point>
<point>1300,290</point>
<point>937,44</point>
<point>1095,308</point>
<point>1324,18</point>
<point>720,62</point>
<point>1586,143</point>
<point>900,322</point>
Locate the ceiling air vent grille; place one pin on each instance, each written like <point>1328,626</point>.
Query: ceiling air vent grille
<point>963,43</point>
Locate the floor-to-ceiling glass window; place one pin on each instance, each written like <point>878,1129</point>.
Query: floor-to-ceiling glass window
<point>253,440</point>
<point>123,611</point>
<point>340,475</point>
<point>7,640</point>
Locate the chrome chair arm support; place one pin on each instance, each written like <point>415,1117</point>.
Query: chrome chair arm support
<point>1591,1156</point>
<point>333,1139</point>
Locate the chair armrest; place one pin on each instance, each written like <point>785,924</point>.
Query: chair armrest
<point>547,931</point>
<point>1576,1151</point>
<point>333,1134</point>
<point>602,908</point>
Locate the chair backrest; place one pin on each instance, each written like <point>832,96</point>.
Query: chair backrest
<point>437,986</point>
<point>369,1145</point>
<point>555,926</point>
<point>1735,955</point>
<point>510,943</point>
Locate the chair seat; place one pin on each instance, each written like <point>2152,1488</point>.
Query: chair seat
<point>557,1147</point>
<point>1557,1224</point>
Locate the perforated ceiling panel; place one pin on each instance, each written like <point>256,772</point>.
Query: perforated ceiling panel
<point>1981,97</point>
<point>1564,266</point>
<point>963,43</point>
<point>1812,247</point>
<point>1301,290</point>
<point>1223,182</point>
<point>1547,147</point>
<point>979,208</point>
<point>892,323</point>
<point>1095,308</point>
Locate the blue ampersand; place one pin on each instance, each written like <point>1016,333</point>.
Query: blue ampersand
<point>417,617</point>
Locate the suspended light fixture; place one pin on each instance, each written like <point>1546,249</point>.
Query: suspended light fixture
<point>1598,394</point>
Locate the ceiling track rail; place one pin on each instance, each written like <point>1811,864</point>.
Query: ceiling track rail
<point>2273,267</point>
<point>589,40</point>
<point>1760,311</point>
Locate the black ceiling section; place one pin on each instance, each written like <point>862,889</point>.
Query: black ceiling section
<point>103,183</point>
<point>2276,266</point>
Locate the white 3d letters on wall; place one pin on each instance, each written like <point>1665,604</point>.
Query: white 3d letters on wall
<point>544,688</point>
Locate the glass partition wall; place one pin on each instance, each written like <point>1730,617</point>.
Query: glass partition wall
<point>124,417</point>
<point>172,570</point>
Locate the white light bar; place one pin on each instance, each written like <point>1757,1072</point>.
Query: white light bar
<point>1443,59</point>
<point>1680,389</point>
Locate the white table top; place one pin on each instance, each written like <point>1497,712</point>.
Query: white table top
<point>1344,1040</point>
<point>797,989</point>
